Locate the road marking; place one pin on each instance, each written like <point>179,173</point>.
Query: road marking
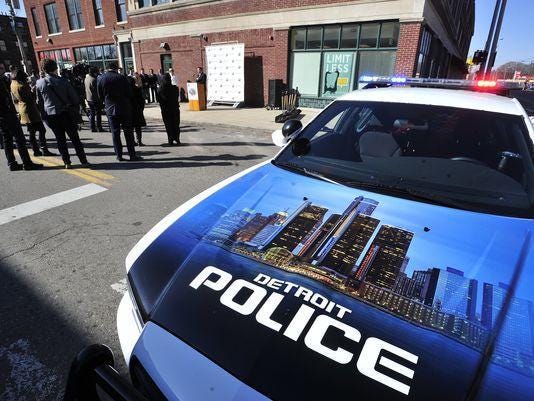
<point>96,177</point>
<point>48,202</point>
<point>120,287</point>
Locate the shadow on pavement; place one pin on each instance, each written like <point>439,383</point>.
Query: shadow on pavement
<point>37,341</point>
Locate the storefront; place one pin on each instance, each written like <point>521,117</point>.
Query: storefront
<point>63,57</point>
<point>99,56</point>
<point>327,61</point>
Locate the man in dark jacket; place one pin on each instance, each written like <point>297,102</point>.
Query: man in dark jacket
<point>10,129</point>
<point>117,94</point>
<point>91,95</point>
<point>59,101</point>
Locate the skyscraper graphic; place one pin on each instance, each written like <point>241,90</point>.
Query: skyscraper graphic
<point>344,253</point>
<point>253,227</point>
<point>516,339</point>
<point>269,231</point>
<point>310,247</point>
<point>385,257</point>
<point>298,226</point>
<point>451,292</point>
<point>359,205</point>
<point>228,225</point>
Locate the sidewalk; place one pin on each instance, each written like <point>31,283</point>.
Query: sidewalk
<point>255,118</point>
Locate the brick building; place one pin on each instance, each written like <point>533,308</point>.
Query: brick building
<point>9,49</point>
<point>320,46</point>
<point>79,31</point>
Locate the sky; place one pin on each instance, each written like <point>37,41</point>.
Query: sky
<point>483,247</point>
<point>517,30</point>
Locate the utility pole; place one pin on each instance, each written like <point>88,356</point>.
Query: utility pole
<point>12,15</point>
<point>493,38</point>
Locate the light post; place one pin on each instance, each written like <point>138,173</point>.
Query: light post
<point>12,15</point>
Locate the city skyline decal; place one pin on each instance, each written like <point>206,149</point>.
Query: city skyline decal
<point>359,249</point>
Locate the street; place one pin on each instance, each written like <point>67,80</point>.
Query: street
<point>62,257</point>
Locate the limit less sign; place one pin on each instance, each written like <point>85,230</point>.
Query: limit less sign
<point>337,73</point>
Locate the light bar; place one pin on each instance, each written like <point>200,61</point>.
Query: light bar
<point>439,82</point>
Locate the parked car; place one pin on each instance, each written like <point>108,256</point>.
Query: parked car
<point>385,253</point>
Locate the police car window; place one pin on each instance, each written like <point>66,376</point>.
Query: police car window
<point>471,156</point>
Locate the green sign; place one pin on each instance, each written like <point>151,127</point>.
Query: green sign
<point>337,73</point>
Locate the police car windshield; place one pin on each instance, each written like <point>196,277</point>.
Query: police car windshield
<point>470,159</point>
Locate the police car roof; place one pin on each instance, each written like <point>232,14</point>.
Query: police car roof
<point>438,97</point>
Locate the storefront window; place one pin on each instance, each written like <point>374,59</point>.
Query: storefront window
<point>349,36</point>
<point>305,72</point>
<point>298,39</point>
<point>389,34</point>
<point>314,38</point>
<point>376,63</point>
<point>331,38</point>
<point>99,56</point>
<point>319,68</point>
<point>62,57</point>
<point>369,35</point>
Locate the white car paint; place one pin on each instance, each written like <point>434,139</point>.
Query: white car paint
<point>129,327</point>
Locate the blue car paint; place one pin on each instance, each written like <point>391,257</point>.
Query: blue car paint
<point>482,247</point>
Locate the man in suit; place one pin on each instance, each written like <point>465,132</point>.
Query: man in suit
<point>91,95</point>
<point>10,129</point>
<point>116,92</point>
<point>60,103</point>
<point>201,76</point>
<point>152,85</point>
<point>145,83</point>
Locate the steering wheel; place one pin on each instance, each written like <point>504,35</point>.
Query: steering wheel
<point>468,160</point>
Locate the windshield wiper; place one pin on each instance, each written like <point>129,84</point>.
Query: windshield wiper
<point>306,171</point>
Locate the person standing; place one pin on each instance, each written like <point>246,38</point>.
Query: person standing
<point>169,102</point>
<point>144,79</point>
<point>93,101</point>
<point>60,103</point>
<point>116,92</point>
<point>138,105</point>
<point>200,78</point>
<point>29,113</point>
<point>10,130</point>
<point>174,78</point>
<point>152,85</point>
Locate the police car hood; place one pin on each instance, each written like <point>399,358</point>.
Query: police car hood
<point>303,289</point>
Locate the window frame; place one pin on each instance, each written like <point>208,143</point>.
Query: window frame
<point>75,14</point>
<point>36,22</point>
<point>119,4</point>
<point>98,12</point>
<point>52,18</point>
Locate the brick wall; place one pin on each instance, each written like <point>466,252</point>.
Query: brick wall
<point>90,36</point>
<point>266,55</point>
<point>218,9</point>
<point>408,48</point>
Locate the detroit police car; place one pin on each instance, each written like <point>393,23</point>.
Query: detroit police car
<point>384,254</point>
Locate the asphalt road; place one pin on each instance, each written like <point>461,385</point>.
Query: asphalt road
<point>61,268</point>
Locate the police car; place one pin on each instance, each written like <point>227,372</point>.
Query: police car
<point>385,253</point>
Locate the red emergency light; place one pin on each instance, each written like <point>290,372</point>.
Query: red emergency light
<point>486,84</point>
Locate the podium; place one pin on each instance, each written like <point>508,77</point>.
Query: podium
<point>196,93</point>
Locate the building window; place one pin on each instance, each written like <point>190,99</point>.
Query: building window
<point>3,46</point>
<point>120,8</point>
<point>99,56</point>
<point>16,4</point>
<point>36,24</point>
<point>327,61</point>
<point>99,13</point>
<point>63,57</point>
<point>52,18</point>
<point>148,3</point>
<point>74,12</point>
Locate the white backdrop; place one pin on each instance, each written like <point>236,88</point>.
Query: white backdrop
<point>226,72</point>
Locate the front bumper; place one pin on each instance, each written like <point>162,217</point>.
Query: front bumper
<point>92,377</point>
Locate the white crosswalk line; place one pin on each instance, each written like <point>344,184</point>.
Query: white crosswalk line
<point>48,202</point>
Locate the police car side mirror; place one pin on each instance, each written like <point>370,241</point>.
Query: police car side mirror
<point>278,138</point>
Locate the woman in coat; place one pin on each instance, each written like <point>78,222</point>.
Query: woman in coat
<point>29,113</point>
<point>138,105</point>
<point>169,102</point>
